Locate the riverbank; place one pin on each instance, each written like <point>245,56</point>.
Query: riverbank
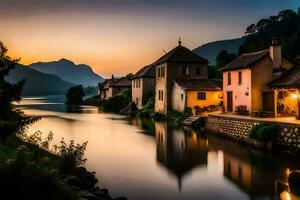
<point>30,170</point>
<point>284,138</point>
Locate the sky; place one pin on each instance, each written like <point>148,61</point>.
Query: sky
<point>121,36</point>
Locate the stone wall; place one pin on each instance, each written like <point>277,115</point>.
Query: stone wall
<point>239,129</point>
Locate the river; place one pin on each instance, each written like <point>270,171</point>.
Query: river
<point>146,160</point>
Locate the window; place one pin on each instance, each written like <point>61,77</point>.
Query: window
<point>229,78</point>
<point>198,70</point>
<point>182,97</point>
<point>137,101</point>
<point>240,78</point>
<point>185,70</point>
<point>201,96</point>
<point>161,71</point>
<point>160,95</point>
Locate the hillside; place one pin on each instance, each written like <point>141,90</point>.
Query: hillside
<point>69,71</point>
<point>38,83</point>
<point>212,49</point>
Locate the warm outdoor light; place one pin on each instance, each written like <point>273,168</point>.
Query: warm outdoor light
<point>294,96</point>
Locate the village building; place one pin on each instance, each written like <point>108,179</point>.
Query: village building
<point>262,83</point>
<point>114,86</point>
<point>187,72</point>
<point>202,95</point>
<point>143,85</point>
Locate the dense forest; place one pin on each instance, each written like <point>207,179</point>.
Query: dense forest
<point>285,26</point>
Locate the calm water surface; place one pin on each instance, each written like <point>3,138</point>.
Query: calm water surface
<point>142,159</point>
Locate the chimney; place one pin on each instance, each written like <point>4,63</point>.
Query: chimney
<point>275,53</point>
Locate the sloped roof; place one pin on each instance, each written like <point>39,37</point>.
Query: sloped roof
<point>107,83</point>
<point>246,60</point>
<point>181,54</point>
<point>200,84</point>
<point>147,71</point>
<point>122,82</point>
<point>290,79</point>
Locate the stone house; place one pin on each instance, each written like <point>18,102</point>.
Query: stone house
<point>198,94</point>
<point>249,82</point>
<point>143,85</point>
<point>114,86</point>
<point>178,64</point>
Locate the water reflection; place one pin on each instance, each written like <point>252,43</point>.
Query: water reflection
<point>260,175</point>
<point>143,159</point>
<point>180,151</point>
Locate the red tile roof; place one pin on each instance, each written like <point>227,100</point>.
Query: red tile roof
<point>200,84</point>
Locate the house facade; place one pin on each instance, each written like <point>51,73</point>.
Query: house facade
<point>180,63</point>
<point>143,85</point>
<point>114,86</point>
<point>201,95</point>
<point>246,80</point>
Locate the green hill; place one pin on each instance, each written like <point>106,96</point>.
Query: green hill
<point>212,49</point>
<point>38,83</point>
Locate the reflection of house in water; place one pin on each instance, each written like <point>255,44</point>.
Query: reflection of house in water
<point>180,150</point>
<point>252,171</point>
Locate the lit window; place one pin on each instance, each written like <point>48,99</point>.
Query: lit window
<point>201,96</point>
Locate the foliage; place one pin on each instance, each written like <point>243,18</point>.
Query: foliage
<point>8,92</point>
<point>148,109</point>
<point>93,101</point>
<point>264,132</point>
<point>213,73</point>
<point>72,155</point>
<point>91,91</point>
<point>224,58</point>
<point>285,26</point>
<point>117,102</point>
<point>75,95</point>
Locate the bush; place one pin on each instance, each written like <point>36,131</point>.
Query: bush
<point>117,102</point>
<point>148,109</point>
<point>75,95</point>
<point>264,132</point>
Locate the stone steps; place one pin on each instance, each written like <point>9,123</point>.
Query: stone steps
<point>191,120</point>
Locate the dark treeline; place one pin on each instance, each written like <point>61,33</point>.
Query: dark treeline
<point>285,27</point>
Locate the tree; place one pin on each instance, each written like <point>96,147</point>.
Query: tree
<point>75,95</point>
<point>224,58</point>
<point>251,29</point>
<point>8,92</point>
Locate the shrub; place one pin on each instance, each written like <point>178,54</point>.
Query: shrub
<point>148,109</point>
<point>264,132</point>
<point>75,95</point>
<point>117,102</point>
<point>72,155</point>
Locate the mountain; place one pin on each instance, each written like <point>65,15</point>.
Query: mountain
<point>212,49</point>
<point>38,83</point>
<point>69,71</point>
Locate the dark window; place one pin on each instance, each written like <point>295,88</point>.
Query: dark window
<point>158,72</point>
<point>198,70</point>
<point>160,95</point>
<point>229,78</point>
<point>185,70</point>
<point>162,71</point>
<point>201,96</point>
<point>181,96</point>
<point>240,78</point>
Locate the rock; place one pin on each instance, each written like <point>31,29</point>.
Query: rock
<point>285,130</point>
<point>298,146</point>
<point>288,135</point>
<point>99,193</point>
<point>295,130</point>
<point>87,195</point>
<point>72,181</point>
<point>289,140</point>
<point>104,190</point>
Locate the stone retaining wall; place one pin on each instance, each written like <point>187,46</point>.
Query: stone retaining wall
<point>239,129</point>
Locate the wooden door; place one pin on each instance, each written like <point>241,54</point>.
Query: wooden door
<point>229,102</point>
<point>268,101</point>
